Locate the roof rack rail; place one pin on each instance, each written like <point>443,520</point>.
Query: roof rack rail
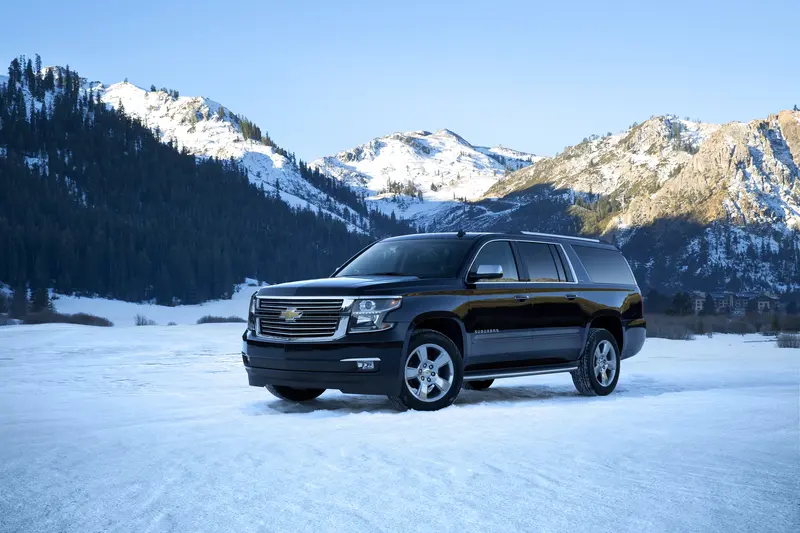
<point>559,236</point>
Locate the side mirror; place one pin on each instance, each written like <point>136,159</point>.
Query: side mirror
<point>487,272</point>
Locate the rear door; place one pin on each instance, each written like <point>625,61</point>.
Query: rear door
<point>554,318</point>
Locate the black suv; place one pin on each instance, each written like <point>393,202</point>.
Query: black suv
<point>416,317</point>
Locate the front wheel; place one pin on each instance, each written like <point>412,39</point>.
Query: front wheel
<point>294,395</point>
<point>432,372</point>
<point>598,367</point>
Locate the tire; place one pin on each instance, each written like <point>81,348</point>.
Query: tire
<point>481,384</point>
<point>587,380</point>
<point>291,394</point>
<point>450,373</point>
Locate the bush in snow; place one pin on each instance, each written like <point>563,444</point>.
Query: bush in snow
<point>208,319</point>
<point>51,317</point>
<point>668,327</point>
<point>141,320</point>
<point>789,340</point>
<point>6,321</point>
<point>171,324</point>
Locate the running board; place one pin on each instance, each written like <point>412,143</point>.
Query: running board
<point>477,375</point>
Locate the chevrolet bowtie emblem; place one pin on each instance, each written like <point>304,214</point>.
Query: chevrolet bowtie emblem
<point>291,314</point>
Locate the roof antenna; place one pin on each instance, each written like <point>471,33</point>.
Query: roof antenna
<point>461,233</point>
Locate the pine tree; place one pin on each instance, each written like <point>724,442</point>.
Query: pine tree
<point>19,303</point>
<point>709,307</point>
<point>40,300</point>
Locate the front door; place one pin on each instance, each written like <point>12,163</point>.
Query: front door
<point>496,321</point>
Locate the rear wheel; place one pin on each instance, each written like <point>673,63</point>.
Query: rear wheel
<point>598,367</point>
<point>481,384</point>
<point>432,372</point>
<point>294,395</point>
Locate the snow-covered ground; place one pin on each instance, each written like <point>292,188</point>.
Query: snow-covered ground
<point>124,313</point>
<point>155,429</point>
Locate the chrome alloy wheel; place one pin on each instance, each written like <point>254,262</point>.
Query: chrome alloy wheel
<point>429,372</point>
<point>605,363</point>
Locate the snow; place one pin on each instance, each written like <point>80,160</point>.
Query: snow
<point>155,429</point>
<point>123,313</point>
<point>193,123</point>
<point>443,159</point>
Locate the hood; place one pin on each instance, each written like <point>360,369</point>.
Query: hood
<point>355,286</point>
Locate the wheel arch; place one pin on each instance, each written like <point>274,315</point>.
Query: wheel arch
<point>612,323</point>
<point>448,324</point>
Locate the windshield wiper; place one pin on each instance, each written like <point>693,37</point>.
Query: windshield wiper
<point>389,274</point>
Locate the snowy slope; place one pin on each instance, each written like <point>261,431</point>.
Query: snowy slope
<point>123,313</point>
<point>155,429</point>
<point>442,166</point>
<point>693,205</point>
<point>207,129</point>
<point>666,166</point>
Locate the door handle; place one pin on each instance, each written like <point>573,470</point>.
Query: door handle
<point>521,297</point>
<point>570,296</point>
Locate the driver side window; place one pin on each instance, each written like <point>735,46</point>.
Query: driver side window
<point>497,253</point>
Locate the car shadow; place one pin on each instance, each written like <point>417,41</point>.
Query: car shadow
<point>334,404</point>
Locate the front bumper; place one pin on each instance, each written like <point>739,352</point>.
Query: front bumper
<point>328,365</point>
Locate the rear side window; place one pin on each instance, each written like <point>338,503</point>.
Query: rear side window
<point>539,261</point>
<point>497,253</point>
<point>605,266</point>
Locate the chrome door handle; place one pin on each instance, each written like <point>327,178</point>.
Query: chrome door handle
<point>570,296</point>
<point>521,297</point>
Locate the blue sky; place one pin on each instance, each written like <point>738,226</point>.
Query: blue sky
<point>325,76</point>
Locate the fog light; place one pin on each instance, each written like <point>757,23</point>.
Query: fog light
<point>365,365</point>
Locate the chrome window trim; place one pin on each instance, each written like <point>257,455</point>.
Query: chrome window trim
<point>559,236</point>
<point>510,240</point>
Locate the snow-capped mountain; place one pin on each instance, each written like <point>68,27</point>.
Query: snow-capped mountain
<point>419,174</point>
<point>668,167</point>
<point>688,200</point>
<point>207,129</point>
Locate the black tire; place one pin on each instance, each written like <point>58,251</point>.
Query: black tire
<point>481,384</point>
<point>584,378</point>
<point>291,394</point>
<point>407,400</point>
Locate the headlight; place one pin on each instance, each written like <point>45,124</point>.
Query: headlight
<point>251,318</point>
<point>367,314</point>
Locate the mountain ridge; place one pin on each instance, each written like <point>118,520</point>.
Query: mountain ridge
<point>417,174</point>
<point>690,202</point>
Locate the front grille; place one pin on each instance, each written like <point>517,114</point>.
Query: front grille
<point>319,318</point>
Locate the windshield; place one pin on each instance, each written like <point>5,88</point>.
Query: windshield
<point>423,258</point>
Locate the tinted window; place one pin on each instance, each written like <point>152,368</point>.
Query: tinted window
<point>539,261</point>
<point>497,253</point>
<point>424,258</point>
<point>605,266</point>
